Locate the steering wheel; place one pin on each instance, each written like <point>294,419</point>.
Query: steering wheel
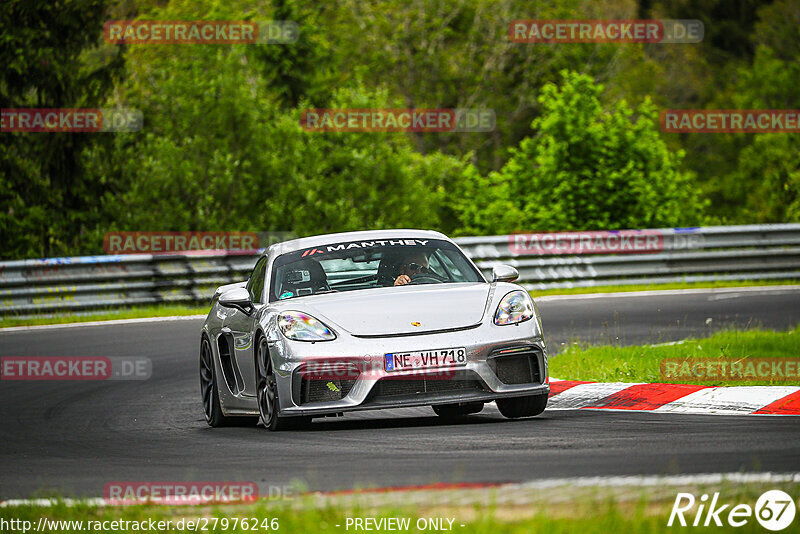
<point>426,278</point>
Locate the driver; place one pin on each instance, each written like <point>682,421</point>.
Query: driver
<point>415,263</point>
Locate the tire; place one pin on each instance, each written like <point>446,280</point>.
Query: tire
<point>267,395</point>
<point>209,392</point>
<point>516,407</point>
<point>453,411</point>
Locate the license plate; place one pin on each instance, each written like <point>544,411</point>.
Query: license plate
<point>424,359</point>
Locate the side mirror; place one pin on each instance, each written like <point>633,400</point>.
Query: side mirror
<point>504,273</point>
<point>238,298</point>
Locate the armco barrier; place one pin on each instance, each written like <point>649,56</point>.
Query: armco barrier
<point>752,252</point>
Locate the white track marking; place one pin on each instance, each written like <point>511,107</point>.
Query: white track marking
<point>728,400</point>
<point>111,322</point>
<point>668,292</point>
<point>586,394</point>
<point>52,502</point>
<point>671,480</point>
<point>670,343</point>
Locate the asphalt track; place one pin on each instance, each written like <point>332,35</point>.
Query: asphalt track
<point>74,437</point>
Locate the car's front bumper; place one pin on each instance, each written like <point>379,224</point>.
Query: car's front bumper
<point>374,388</point>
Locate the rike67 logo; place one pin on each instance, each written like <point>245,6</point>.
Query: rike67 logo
<point>774,510</point>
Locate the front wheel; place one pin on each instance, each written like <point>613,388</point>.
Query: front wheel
<point>516,407</point>
<point>267,395</point>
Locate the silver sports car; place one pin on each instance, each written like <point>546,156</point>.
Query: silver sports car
<point>369,320</point>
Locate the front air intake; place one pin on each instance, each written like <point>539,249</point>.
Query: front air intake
<point>516,367</point>
<point>327,382</point>
<point>312,390</point>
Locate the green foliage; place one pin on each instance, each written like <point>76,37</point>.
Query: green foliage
<point>767,179</point>
<point>587,168</point>
<point>222,149</point>
<point>457,54</point>
<point>49,60</point>
<point>306,70</point>
<point>771,167</point>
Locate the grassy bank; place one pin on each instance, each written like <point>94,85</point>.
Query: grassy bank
<point>565,508</point>
<point>642,363</point>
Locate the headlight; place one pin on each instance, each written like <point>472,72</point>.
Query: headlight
<point>515,307</point>
<point>302,327</point>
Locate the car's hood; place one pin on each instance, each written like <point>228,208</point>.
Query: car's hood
<point>400,310</point>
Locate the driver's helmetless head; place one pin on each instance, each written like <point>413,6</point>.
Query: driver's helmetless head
<point>415,263</point>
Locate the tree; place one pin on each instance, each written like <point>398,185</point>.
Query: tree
<point>222,148</point>
<point>586,168</point>
<point>46,198</point>
<point>767,177</point>
<point>457,54</point>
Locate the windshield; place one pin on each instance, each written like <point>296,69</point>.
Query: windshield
<point>358,265</point>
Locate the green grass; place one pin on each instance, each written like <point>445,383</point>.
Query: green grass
<point>552,511</point>
<point>641,363</point>
<point>163,310</point>
<point>662,287</point>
